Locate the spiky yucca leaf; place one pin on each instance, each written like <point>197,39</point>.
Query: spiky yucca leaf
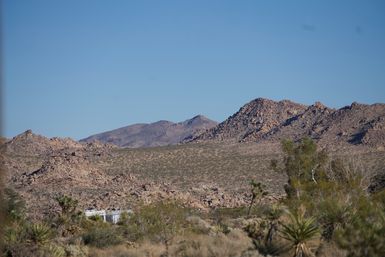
<point>299,231</point>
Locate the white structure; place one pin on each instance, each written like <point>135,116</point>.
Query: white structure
<point>112,216</point>
<point>91,213</point>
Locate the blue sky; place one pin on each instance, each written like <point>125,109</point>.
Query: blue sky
<point>74,68</point>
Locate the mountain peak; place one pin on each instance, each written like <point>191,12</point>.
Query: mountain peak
<point>253,119</point>
<point>200,117</point>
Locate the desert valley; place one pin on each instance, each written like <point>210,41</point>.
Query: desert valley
<point>199,164</point>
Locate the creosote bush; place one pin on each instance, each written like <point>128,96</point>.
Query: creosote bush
<point>102,236</point>
<point>364,235</point>
<point>158,222</point>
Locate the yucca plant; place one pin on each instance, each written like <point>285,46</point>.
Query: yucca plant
<point>53,250</point>
<point>298,232</point>
<point>39,233</point>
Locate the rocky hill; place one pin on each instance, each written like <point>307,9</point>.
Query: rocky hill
<point>154,134</point>
<point>253,120</point>
<point>263,119</point>
<point>29,143</point>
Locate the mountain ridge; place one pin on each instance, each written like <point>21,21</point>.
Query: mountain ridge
<point>264,119</point>
<point>159,133</point>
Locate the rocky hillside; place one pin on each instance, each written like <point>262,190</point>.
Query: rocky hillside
<point>264,119</point>
<point>254,120</point>
<point>155,134</point>
<point>29,143</point>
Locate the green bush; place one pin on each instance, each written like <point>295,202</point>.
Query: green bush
<point>102,236</point>
<point>336,197</point>
<point>158,222</point>
<point>364,236</point>
<point>14,205</point>
<point>25,239</point>
<point>302,163</point>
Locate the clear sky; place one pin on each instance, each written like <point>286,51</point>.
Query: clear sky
<point>76,67</point>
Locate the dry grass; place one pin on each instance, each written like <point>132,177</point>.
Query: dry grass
<point>144,250</point>
<point>234,244</point>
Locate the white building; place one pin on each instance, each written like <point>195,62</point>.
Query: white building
<point>90,213</point>
<point>112,216</point>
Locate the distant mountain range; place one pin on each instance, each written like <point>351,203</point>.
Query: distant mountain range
<point>154,134</point>
<point>263,120</point>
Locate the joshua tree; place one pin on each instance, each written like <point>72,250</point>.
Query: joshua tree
<point>257,192</point>
<point>68,204</point>
<point>298,232</point>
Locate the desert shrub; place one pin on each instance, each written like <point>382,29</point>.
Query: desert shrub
<point>124,218</point>
<point>364,235</point>
<point>26,239</point>
<point>198,226</point>
<point>102,236</point>
<point>76,250</point>
<point>52,250</point>
<point>333,201</point>
<point>14,237</point>
<point>223,214</point>
<point>158,222</point>
<point>14,205</point>
<point>302,163</point>
<point>14,234</point>
<point>328,249</point>
<point>145,249</point>
<point>330,191</point>
<point>337,199</point>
